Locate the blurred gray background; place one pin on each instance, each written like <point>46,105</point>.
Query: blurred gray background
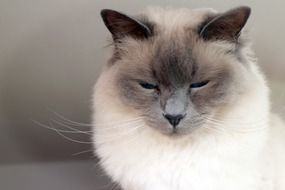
<point>51,52</point>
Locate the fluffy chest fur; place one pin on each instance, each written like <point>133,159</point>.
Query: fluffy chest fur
<point>144,162</point>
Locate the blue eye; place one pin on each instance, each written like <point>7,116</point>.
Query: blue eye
<point>199,84</point>
<point>148,86</point>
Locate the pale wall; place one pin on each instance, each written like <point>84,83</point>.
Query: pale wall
<point>51,52</point>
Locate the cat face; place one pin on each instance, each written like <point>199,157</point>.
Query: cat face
<point>177,79</point>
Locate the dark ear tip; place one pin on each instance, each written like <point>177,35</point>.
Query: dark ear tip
<point>104,12</point>
<point>245,9</point>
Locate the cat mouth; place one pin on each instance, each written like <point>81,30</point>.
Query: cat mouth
<point>180,131</point>
<point>174,132</point>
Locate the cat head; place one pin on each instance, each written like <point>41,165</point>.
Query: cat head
<point>178,68</point>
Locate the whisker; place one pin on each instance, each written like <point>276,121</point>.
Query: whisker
<point>82,152</point>
<point>214,127</point>
<point>111,138</point>
<point>240,123</point>
<point>68,120</point>
<point>68,138</point>
<point>66,126</point>
<point>48,127</point>
<point>119,125</point>
<point>233,122</point>
<point>138,119</point>
<point>236,121</point>
<point>75,124</point>
<point>223,126</point>
<point>118,134</point>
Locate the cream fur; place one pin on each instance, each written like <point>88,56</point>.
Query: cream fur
<point>243,157</point>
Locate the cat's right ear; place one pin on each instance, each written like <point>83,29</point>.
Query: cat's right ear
<point>121,25</point>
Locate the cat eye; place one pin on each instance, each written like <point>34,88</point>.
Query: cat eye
<point>199,84</point>
<point>148,86</point>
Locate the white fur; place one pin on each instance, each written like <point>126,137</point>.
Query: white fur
<point>238,158</point>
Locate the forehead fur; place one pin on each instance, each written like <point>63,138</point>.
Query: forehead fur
<point>170,20</point>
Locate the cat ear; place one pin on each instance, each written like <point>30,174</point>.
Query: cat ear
<point>226,26</point>
<point>121,25</point>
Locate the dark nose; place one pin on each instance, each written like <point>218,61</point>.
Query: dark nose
<point>174,119</point>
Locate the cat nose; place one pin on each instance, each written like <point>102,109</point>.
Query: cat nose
<point>174,120</point>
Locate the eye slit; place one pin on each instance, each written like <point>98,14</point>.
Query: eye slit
<point>148,85</point>
<point>199,84</point>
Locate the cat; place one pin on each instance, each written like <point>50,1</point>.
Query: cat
<point>182,104</point>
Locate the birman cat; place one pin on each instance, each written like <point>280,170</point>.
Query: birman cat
<point>182,104</point>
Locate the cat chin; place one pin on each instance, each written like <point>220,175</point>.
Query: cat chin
<point>176,132</point>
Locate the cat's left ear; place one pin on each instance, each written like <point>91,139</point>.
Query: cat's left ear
<point>226,26</point>
<point>121,25</point>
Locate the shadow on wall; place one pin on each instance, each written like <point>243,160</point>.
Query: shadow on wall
<point>46,68</point>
